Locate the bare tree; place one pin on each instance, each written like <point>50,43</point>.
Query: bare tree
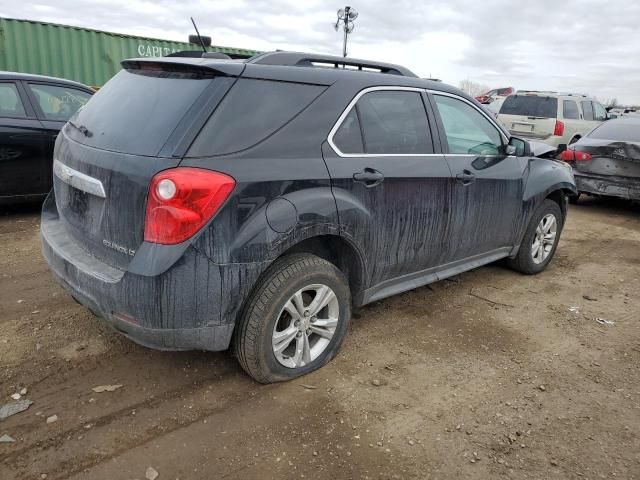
<point>473,88</point>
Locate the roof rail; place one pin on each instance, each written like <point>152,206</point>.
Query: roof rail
<point>538,91</point>
<point>551,92</point>
<point>298,59</point>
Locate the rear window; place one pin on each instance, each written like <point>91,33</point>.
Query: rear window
<point>251,111</point>
<point>530,106</point>
<point>617,130</point>
<point>135,112</point>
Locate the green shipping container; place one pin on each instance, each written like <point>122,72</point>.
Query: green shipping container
<point>88,56</point>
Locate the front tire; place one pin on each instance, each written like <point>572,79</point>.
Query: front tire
<point>295,320</point>
<point>540,240</point>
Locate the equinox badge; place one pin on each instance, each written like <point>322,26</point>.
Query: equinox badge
<point>118,248</point>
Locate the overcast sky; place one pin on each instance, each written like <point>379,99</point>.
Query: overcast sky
<point>581,46</point>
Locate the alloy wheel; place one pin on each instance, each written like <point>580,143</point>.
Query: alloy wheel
<point>305,326</point>
<point>544,238</point>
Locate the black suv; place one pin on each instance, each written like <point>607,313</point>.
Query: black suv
<point>33,109</point>
<point>203,203</point>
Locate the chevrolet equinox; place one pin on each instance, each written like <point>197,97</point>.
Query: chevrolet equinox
<point>207,203</point>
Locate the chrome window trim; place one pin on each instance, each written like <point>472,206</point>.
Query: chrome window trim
<point>78,179</point>
<point>355,99</point>
<point>346,112</point>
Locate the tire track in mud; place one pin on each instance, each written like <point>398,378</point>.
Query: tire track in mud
<point>74,466</point>
<point>121,420</point>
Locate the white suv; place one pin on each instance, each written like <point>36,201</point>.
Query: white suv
<point>551,117</point>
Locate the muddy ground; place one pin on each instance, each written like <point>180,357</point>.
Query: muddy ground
<point>488,375</point>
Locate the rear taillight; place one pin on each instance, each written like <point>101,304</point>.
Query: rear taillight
<point>558,131</point>
<point>575,156</point>
<point>181,200</point>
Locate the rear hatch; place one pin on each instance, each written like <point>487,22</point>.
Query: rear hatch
<point>529,115</point>
<point>138,124</point>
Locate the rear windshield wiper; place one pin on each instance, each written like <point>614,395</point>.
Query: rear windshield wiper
<point>82,129</point>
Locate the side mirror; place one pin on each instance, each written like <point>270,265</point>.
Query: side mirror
<point>518,147</point>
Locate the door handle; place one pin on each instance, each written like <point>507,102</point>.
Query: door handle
<point>369,177</point>
<point>466,177</point>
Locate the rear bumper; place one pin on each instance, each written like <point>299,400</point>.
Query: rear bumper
<point>193,305</point>
<point>610,186</point>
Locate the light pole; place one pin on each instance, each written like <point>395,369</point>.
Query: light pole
<point>346,16</point>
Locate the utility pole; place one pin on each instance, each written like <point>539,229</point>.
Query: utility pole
<point>346,16</point>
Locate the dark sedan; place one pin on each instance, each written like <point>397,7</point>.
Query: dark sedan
<point>606,162</point>
<point>33,109</point>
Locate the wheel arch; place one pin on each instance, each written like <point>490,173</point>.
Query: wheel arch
<point>334,248</point>
<point>338,250</point>
<point>558,196</point>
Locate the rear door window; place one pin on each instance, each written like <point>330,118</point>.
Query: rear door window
<point>587,110</point>
<point>57,102</point>
<point>467,131</point>
<point>10,103</point>
<point>530,106</point>
<point>570,110</point>
<point>394,122</point>
<point>251,111</point>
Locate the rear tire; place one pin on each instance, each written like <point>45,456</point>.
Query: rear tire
<point>540,239</point>
<point>282,334</point>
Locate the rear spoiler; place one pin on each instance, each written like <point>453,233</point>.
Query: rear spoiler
<point>202,67</point>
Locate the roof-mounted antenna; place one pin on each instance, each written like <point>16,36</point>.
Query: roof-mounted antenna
<point>204,49</point>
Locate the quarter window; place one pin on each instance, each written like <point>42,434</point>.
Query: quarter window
<point>587,110</point>
<point>570,110</point>
<point>252,111</point>
<point>10,103</point>
<point>467,130</point>
<point>58,103</point>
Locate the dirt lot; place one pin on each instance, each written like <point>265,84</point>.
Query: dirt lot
<point>488,375</point>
